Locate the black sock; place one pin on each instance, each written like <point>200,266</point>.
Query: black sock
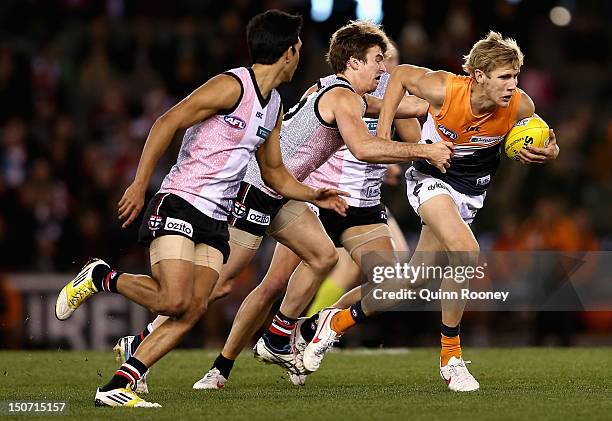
<point>130,372</point>
<point>450,332</point>
<point>357,313</point>
<point>279,332</point>
<point>98,275</point>
<point>224,365</point>
<point>105,279</point>
<point>140,337</point>
<point>309,327</point>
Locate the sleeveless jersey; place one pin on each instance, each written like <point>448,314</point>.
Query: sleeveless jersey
<point>477,139</point>
<point>345,172</point>
<point>214,154</point>
<point>306,140</point>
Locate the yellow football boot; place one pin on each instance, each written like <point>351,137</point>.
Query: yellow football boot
<point>122,397</point>
<point>77,291</point>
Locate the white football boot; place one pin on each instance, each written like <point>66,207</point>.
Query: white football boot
<point>123,351</point>
<point>122,397</point>
<point>265,353</point>
<point>298,345</point>
<point>457,376</point>
<point>324,339</point>
<point>211,380</point>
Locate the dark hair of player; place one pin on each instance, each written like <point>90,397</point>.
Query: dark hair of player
<point>354,40</point>
<point>270,34</point>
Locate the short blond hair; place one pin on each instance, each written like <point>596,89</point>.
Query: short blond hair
<point>492,52</point>
<point>354,40</point>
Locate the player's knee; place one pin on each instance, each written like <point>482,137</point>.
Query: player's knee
<point>468,245</point>
<point>172,305</point>
<point>324,262</point>
<point>272,288</point>
<point>463,251</point>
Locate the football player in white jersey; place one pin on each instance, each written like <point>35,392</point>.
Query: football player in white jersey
<point>346,273</point>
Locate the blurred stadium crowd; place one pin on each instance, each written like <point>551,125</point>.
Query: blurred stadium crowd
<point>82,81</point>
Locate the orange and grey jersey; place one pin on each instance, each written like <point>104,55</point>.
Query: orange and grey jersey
<point>306,140</point>
<point>213,157</point>
<point>477,139</point>
<point>345,172</point>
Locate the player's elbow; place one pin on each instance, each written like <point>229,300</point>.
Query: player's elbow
<point>365,156</point>
<point>169,120</point>
<point>363,153</point>
<point>271,179</point>
<point>267,176</point>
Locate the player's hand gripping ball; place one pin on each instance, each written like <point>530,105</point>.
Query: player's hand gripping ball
<point>528,131</point>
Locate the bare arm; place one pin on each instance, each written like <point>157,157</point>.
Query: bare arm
<point>276,176</point>
<point>408,129</point>
<point>409,106</point>
<point>426,84</point>
<point>219,93</point>
<point>365,147</point>
<point>526,107</point>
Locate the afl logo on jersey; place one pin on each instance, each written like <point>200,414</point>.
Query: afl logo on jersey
<point>447,132</point>
<point>235,122</point>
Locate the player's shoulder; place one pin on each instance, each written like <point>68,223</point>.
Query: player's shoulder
<point>343,95</point>
<point>443,76</point>
<point>223,91</point>
<point>229,79</point>
<point>526,107</point>
<point>224,84</point>
<point>434,86</point>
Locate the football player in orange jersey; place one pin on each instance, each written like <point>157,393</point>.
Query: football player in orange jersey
<point>475,112</point>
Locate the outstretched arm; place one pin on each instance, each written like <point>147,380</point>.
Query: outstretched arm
<point>276,176</point>
<point>409,106</point>
<point>219,93</point>
<point>365,147</point>
<point>424,83</point>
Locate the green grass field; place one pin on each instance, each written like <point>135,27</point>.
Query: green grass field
<point>522,383</point>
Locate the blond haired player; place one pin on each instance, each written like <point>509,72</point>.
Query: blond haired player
<point>474,112</point>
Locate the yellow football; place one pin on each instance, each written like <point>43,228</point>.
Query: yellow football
<point>528,131</point>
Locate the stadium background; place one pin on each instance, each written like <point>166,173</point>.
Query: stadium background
<point>81,83</point>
